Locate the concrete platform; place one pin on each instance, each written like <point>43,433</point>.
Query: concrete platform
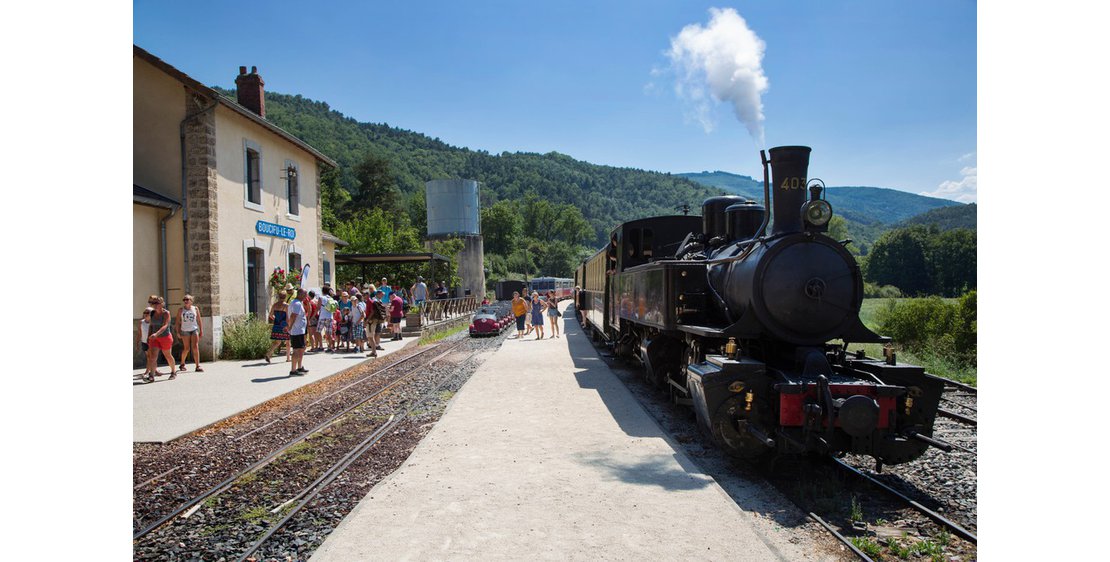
<point>165,410</point>
<point>544,454</point>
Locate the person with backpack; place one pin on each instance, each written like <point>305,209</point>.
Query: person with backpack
<point>376,316</point>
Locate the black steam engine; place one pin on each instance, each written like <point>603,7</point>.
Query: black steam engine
<point>737,323</point>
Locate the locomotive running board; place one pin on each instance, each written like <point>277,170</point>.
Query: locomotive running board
<point>703,331</point>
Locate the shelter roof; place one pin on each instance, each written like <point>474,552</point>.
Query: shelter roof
<point>144,196</point>
<point>372,259</point>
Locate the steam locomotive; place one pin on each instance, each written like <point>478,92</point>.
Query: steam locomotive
<point>737,323</point>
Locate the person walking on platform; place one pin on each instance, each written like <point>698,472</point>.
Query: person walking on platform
<point>161,336</point>
<point>419,293</point>
<point>553,313</point>
<point>297,327</point>
<point>189,326</point>
<point>279,312</point>
<point>376,314</point>
<point>324,321</point>
<point>385,288</point>
<point>396,313</point>
<point>520,311</point>
<point>537,314</point>
<point>312,309</point>
<point>528,317</point>
<point>358,320</point>
<point>343,327</point>
<point>144,335</point>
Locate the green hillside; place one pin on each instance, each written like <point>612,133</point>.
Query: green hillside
<point>745,186</point>
<point>866,205</point>
<point>606,195</point>
<point>879,204</point>
<point>947,218</point>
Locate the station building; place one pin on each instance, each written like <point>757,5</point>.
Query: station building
<point>221,197</point>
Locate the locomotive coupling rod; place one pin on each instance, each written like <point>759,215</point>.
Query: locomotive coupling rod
<point>942,445</point>
<point>759,434</point>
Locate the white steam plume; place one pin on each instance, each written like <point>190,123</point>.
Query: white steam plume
<point>722,60</point>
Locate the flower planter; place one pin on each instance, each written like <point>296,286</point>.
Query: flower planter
<point>412,319</point>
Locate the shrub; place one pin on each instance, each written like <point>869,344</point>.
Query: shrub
<point>245,338</point>
<point>932,327</point>
<point>876,291</point>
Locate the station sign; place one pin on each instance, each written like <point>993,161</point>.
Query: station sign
<point>271,229</point>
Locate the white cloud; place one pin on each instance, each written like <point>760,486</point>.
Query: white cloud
<point>964,190</point>
<point>720,63</point>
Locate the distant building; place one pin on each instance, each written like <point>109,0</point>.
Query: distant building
<point>221,196</point>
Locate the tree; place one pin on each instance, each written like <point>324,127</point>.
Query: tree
<point>502,227</point>
<point>333,198</point>
<point>376,186</point>
<point>953,257</point>
<point>899,258</point>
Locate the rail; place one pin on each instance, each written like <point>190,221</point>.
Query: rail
<point>436,310</point>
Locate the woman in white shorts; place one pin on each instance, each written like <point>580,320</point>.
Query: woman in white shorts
<point>188,324</point>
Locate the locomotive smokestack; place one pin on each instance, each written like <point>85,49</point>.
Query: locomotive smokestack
<point>789,166</point>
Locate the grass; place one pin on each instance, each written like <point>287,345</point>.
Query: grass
<point>855,511</point>
<point>870,309</point>
<point>254,514</point>
<point>868,546</point>
<point>932,548</point>
<point>934,364</point>
<point>432,338</point>
<point>300,452</point>
<point>214,529</point>
<point>247,478</point>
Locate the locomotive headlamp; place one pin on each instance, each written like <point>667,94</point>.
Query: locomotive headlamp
<point>817,213</point>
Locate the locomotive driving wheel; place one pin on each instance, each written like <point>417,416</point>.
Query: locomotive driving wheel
<point>730,429</point>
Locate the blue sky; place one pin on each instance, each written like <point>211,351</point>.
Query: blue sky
<point>884,92</point>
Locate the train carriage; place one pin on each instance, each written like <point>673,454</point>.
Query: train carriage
<point>505,288</point>
<point>563,286</point>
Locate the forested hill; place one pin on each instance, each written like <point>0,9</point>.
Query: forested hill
<point>867,205</point>
<point>947,218</point>
<point>606,195</point>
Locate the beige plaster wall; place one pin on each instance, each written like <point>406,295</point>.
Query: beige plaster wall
<point>237,221</point>
<point>158,108</point>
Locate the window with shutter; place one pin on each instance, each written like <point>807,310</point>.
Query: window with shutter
<point>254,177</point>
<point>292,180</point>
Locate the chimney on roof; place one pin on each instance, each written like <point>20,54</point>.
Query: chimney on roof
<point>249,92</point>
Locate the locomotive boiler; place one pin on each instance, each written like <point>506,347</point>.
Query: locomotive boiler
<point>752,328</point>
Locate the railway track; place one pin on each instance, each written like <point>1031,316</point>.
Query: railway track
<point>377,374</point>
<point>317,487</point>
<point>937,518</point>
<point>825,496</point>
<point>310,484</point>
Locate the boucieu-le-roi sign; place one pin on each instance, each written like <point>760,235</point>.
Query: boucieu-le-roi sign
<point>271,229</point>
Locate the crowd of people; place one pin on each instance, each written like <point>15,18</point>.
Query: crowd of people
<point>336,320</point>
<point>530,314</point>
<point>343,320</point>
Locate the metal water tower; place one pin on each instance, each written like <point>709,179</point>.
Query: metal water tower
<point>453,211</point>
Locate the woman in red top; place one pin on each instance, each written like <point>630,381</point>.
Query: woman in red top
<point>161,336</point>
<point>396,313</point>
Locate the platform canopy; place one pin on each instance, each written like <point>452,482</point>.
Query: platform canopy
<point>367,260</point>
<point>383,259</point>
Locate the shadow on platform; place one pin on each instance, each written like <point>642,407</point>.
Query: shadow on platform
<point>657,472</point>
<point>733,476</point>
